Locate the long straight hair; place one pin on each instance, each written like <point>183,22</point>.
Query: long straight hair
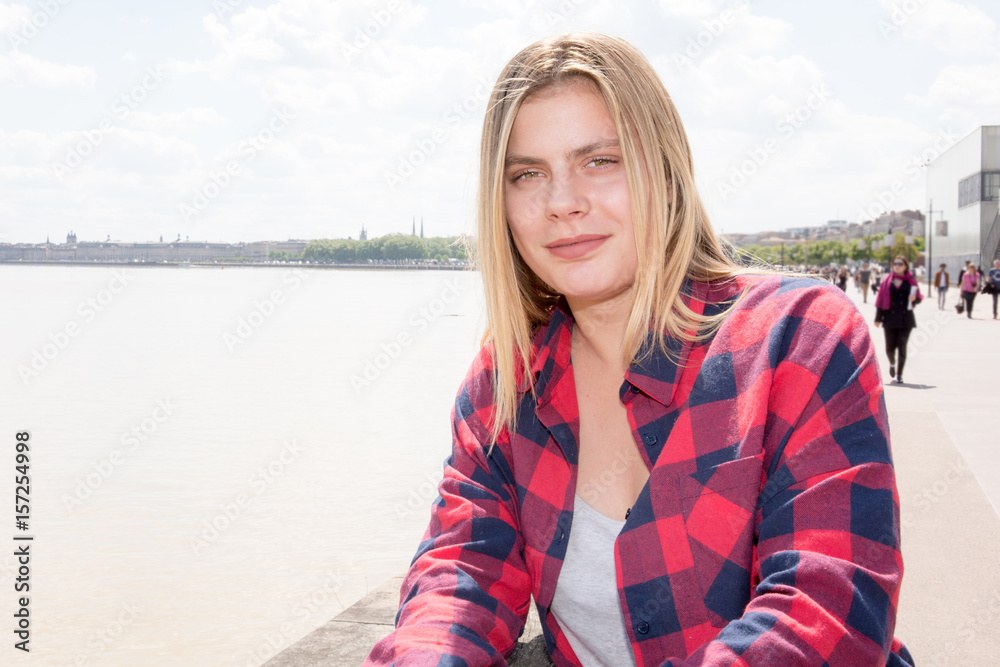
<point>666,209</point>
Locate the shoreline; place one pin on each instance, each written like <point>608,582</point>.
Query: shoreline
<point>264,265</point>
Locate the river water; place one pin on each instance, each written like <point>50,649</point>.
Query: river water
<point>221,460</point>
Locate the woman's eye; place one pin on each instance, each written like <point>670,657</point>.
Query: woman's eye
<point>603,161</point>
<point>525,175</point>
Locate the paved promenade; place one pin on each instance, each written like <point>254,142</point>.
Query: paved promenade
<point>945,427</point>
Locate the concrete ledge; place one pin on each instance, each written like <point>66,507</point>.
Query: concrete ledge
<point>347,639</point>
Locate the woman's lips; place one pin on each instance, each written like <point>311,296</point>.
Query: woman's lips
<point>577,249</point>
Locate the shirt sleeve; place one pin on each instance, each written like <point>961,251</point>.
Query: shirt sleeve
<point>465,598</point>
<point>827,565</point>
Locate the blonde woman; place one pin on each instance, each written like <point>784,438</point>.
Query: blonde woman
<point>676,459</point>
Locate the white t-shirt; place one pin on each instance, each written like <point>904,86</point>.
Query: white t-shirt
<point>586,603</point>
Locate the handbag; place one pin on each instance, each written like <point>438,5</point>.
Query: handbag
<point>960,307</point>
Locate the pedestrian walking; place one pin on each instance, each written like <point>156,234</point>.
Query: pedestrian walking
<point>942,279</point>
<point>842,279</point>
<point>971,282</point>
<point>993,280</point>
<point>961,274</point>
<point>894,313</point>
<point>865,276</point>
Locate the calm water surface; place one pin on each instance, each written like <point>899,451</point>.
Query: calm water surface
<point>213,475</point>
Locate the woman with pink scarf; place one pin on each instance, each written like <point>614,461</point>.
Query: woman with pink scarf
<point>897,295</point>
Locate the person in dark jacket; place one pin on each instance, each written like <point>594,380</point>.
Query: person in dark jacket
<point>894,313</point>
<point>993,278</point>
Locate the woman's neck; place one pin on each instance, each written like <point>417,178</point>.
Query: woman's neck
<point>599,328</point>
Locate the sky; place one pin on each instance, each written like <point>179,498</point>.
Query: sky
<point>247,120</point>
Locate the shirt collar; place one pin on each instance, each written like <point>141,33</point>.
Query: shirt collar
<point>656,376</point>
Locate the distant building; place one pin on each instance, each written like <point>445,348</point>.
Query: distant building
<point>115,251</point>
<point>964,185</point>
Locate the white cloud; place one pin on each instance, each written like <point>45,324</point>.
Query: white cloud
<point>13,17</point>
<point>948,26</point>
<point>966,94</point>
<point>21,68</point>
<point>190,120</point>
<point>691,9</point>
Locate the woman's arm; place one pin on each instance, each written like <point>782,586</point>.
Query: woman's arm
<point>465,597</point>
<point>827,555</point>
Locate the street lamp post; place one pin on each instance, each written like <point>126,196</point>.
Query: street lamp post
<point>930,245</point>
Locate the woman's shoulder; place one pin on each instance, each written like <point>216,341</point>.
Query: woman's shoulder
<point>763,301</point>
<point>782,291</point>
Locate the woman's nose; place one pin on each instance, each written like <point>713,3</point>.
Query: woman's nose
<point>565,197</point>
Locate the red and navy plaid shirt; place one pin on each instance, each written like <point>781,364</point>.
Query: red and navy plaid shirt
<point>767,534</point>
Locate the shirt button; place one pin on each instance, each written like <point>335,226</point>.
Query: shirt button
<point>562,534</point>
<point>649,439</point>
<point>634,389</point>
<point>642,628</point>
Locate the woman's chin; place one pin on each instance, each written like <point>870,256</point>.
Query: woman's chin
<point>591,293</point>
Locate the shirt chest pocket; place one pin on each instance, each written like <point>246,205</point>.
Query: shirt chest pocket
<point>719,505</point>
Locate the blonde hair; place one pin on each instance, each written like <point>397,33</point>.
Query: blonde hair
<point>659,169</point>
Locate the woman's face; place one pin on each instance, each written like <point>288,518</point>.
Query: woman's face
<point>567,199</point>
<point>899,266</point>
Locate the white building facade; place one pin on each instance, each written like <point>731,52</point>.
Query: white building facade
<point>963,184</point>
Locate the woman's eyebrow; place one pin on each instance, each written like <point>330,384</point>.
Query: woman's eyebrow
<point>519,160</point>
